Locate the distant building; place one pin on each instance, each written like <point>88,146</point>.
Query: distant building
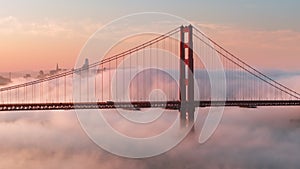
<point>86,64</point>
<point>4,81</point>
<point>57,70</point>
<point>41,74</point>
<point>27,75</point>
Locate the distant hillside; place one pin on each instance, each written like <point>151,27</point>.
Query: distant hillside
<point>4,81</point>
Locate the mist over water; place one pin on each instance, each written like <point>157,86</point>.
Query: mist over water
<point>245,138</point>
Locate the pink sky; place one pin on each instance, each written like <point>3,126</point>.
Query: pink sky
<point>35,46</point>
<point>260,48</point>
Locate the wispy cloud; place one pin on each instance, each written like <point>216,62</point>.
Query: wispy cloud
<point>47,27</point>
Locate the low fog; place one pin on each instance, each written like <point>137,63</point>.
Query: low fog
<point>245,139</point>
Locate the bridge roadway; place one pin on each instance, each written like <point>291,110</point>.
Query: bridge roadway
<point>174,105</point>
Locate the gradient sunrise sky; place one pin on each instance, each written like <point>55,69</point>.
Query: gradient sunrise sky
<point>37,34</point>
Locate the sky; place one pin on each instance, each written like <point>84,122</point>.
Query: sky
<point>38,34</point>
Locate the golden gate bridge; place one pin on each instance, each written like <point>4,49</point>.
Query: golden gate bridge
<point>245,85</point>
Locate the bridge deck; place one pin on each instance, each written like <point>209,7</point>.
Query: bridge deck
<point>175,105</point>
